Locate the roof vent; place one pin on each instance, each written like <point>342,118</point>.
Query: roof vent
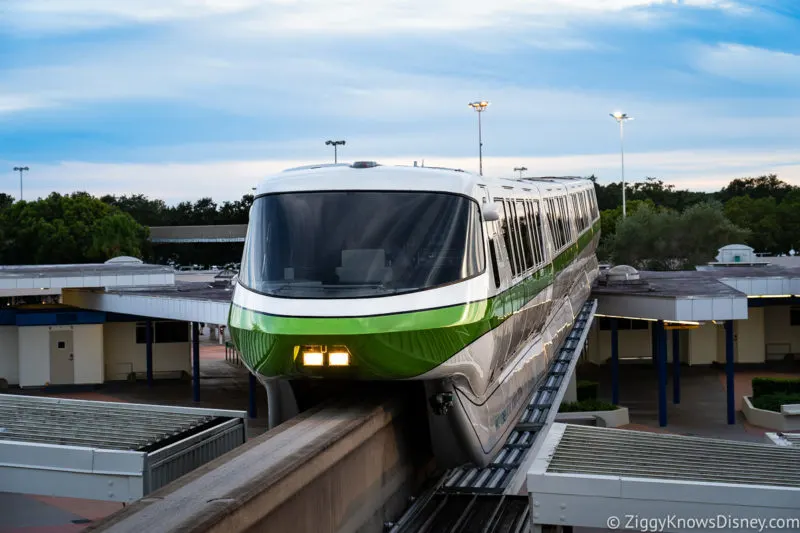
<point>622,273</point>
<point>124,259</point>
<point>364,164</point>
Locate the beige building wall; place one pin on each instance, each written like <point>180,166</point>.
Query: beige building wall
<point>750,337</point>
<point>632,344</point>
<point>34,355</point>
<point>87,343</point>
<point>780,337</point>
<point>123,355</point>
<point>702,344</point>
<point>9,354</point>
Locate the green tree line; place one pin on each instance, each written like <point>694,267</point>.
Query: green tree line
<point>667,228</point>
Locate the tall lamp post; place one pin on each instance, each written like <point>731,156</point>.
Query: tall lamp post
<point>520,170</point>
<point>20,170</point>
<point>480,107</point>
<point>621,118</point>
<point>335,151</point>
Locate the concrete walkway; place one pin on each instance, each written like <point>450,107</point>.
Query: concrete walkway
<point>703,408</point>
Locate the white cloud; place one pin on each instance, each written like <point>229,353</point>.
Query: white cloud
<point>750,64</point>
<point>12,103</point>
<point>229,180</point>
<point>344,16</point>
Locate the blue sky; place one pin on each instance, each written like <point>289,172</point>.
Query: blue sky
<point>188,98</point>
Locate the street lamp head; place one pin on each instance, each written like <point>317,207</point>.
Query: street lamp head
<point>334,143</point>
<point>619,116</point>
<point>479,106</point>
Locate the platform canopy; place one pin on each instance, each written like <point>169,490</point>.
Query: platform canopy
<point>36,280</point>
<point>602,477</point>
<point>187,301</point>
<point>680,296</point>
<point>197,234</point>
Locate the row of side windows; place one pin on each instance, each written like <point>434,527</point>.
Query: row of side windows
<point>558,218</point>
<point>521,228</point>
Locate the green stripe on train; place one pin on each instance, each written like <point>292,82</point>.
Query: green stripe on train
<point>401,345</point>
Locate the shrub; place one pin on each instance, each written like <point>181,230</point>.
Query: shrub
<point>766,386</point>
<point>587,405</point>
<point>586,390</point>
<point>774,401</point>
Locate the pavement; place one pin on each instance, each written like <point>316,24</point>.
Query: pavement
<point>223,385</point>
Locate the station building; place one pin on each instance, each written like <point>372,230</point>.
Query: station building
<point>761,297</point>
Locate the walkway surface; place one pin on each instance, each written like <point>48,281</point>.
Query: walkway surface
<point>222,386</point>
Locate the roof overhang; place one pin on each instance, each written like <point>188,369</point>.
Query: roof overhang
<point>769,287</point>
<point>618,496</point>
<point>170,307</point>
<point>39,280</point>
<point>673,309</point>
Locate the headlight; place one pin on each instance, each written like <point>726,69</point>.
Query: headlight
<point>312,358</point>
<point>338,358</point>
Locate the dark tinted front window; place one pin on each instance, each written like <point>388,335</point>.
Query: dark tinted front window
<point>360,243</point>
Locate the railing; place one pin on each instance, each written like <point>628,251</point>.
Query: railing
<point>232,355</point>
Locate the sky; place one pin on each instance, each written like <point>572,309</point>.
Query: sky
<point>183,99</point>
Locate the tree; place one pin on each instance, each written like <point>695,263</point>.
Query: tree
<point>67,229</point>
<point>114,235</point>
<point>760,217</point>
<point>663,239</point>
<point>768,186</point>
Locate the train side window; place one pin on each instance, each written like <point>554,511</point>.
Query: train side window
<point>525,234</point>
<point>514,224</point>
<point>555,229</point>
<point>508,238</point>
<point>537,256</point>
<point>495,267</point>
<point>537,224</point>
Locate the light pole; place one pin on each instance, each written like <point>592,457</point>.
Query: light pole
<point>479,107</point>
<point>335,152</point>
<point>621,118</point>
<point>20,170</point>
<point>520,170</point>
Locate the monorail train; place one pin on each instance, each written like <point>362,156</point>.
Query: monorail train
<point>372,272</point>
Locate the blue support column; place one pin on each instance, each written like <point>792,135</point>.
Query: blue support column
<point>149,351</point>
<point>676,367</point>
<point>253,409</point>
<point>614,361</point>
<point>661,351</point>
<point>196,361</point>
<point>729,371</point>
<point>654,342</point>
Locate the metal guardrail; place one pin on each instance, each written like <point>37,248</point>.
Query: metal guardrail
<point>480,493</point>
<point>232,355</point>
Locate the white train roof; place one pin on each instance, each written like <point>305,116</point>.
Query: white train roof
<point>371,176</point>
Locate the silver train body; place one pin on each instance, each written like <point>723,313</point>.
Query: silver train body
<point>467,283</point>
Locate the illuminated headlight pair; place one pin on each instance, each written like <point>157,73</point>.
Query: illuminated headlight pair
<point>317,358</point>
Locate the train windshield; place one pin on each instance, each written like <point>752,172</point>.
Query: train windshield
<point>355,244</point>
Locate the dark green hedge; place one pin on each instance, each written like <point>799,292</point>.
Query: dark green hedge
<point>587,405</point>
<point>766,386</point>
<point>773,402</point>
<point>586,390</point>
